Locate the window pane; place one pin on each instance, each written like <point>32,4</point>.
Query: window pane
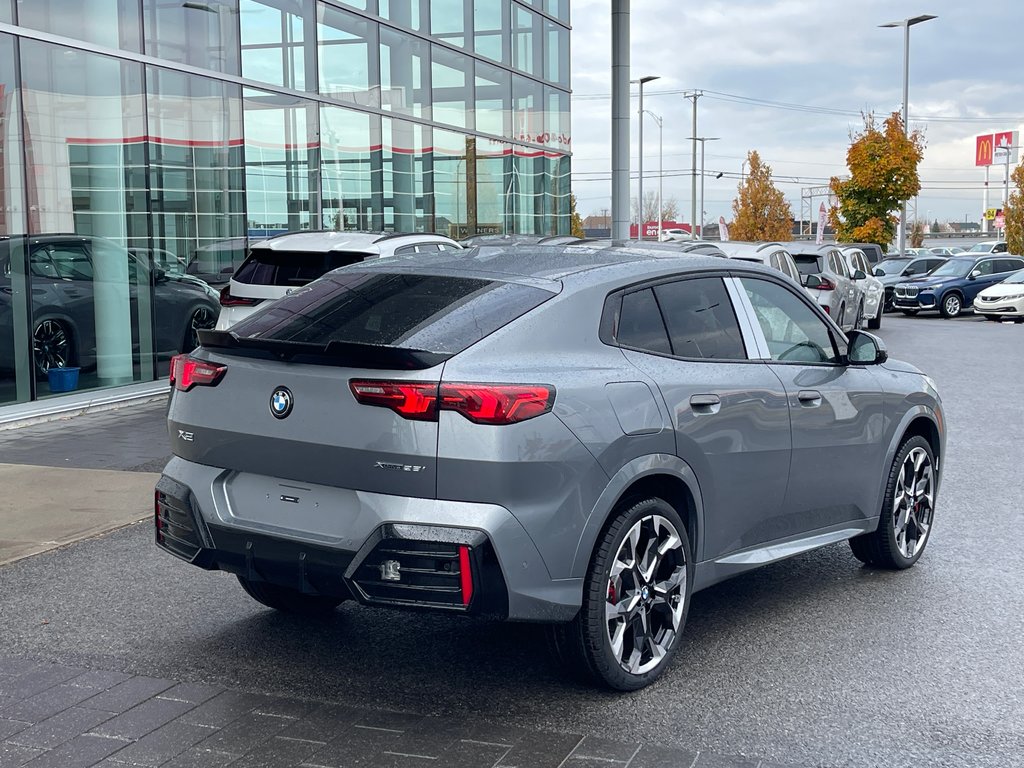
<point>6,13</point>
<point>348,58</point>
<point>489,30</point>
<point>273,35</point>
<point>408,182</point>
<point>412,14</point>
<point>404,72</point>
<point>558,127</point>
<point>452,87</point>
<point>448,21</point>
<point>526,41</point>
<point>202,34</point>
<point>700,319</point>
<point>640,324</point>
<point>351,175</point>
<point>793,331</point>
<point>528,115</point>
<point>196,174</point>
<point>493,100</point>
<point>493,176</point>
<point>280,155</point>
<point>556,56</point>
<point>450,183</point>
<point>113,23</point>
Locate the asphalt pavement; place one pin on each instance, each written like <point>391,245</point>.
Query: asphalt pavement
<point>816,660</point>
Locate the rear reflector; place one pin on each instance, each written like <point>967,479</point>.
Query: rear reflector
<point>188,372</point>
<point>494,404</point>
<point>465,575</point>
<point>227,299</point>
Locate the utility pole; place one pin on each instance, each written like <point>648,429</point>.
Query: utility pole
<point>640,166</point>
<point>703,140</point>
<point>620,119</point>
<point>694,95</point>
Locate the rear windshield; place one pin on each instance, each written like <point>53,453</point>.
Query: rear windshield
<point>292,268</point>
<point>809,265</point>
<point>421,312</point>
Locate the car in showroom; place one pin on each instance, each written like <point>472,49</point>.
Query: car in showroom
<point>279,264</point>
<point>952,288</point>
<point>897,269</point>
<point>582,435</point>
<point>827,277</point>
<point>1002,301</point>
<point>773,255</point>
<point>63,271</point>
<point>870,286</point>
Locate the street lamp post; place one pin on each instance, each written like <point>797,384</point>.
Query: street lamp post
<point>703,140</point>
<point>640,165</point>
<point>661,168</point>
<point>906,24</point>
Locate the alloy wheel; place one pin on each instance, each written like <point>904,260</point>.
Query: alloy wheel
<point>913,503</point>
<point>202,319</point>
<point>952,305</point>
<point>646,594</point>
<point>51,346</point>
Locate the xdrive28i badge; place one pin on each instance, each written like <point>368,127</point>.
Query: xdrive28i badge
<point>281,402</point>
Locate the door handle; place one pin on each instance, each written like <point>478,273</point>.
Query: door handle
<point>809,397</point>
<point>705,403</point>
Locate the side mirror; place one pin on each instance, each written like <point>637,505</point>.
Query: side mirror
<point>159,275</point>
<point>859,275</point>
<point>878,272</point>
<point>975,273</point>
<point>909,271</point>
<point>812,281</point>
<point>865,349</point>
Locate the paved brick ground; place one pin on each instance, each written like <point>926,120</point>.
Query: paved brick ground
<point>71,717</point>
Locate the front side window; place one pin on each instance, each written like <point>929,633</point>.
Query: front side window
<point>700,319</point>
<point>986,267</point>
<point>794,332</point>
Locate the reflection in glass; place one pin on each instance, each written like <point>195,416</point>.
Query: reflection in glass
<point>404,73</point>
<point>6,14</point>
<point>407,177</point>
<point>557,123</point>
<point>112,23</point>
<point>526,41</point>
<point>528,110</point>
<point>273,34</point>
<point>493,176</point>
<point>452,87</point>
<point>351,177</point>
<point>556,54</point>
<point>201,34</point>
<point>281,154</point>
<point>493,100</point>
<point>447,21</point>
<point>453,178</point>
<point>489,27</point>
<point>348,56</point>
<point>411,14</point>
<point>196,176</point>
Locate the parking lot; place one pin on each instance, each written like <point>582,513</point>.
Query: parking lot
<point>816,660</point>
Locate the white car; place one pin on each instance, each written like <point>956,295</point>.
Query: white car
<point>674,234</point>
<point>828,278</point>
<point>988,246</point>
<point>1003,300</point>
<point>278,264</point>
<point>773,255</point>
<point>871,287</point>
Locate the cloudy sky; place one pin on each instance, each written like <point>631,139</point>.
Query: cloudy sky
<point>821,63</point>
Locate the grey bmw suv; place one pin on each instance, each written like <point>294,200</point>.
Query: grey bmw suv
<point>583,435</point>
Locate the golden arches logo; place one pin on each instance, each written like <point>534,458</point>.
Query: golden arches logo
<point>983,150</point>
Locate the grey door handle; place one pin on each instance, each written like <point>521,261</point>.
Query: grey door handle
<point>809,397</point>
<point>705,403</point>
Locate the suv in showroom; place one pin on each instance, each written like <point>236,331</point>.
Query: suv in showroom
<point>952,288</point>
<point>580,435</point>
<point>282,263</point>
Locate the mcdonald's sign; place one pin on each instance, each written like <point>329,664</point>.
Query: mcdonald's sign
<point>983,149</point>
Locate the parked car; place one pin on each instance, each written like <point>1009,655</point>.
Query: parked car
<point>988,246</point>
<point>897,270</point>
<point>870,286</point>
<point>674,234</point>
<point>279,264</point>
<point>828,279</point>
<point>701,247</point>
<point>872,251</point>
<point>773,255</point>
<point>954,285</point>
<point>565,434</point>
<point>61,270</point>
<point>1002,300</point>
<point>946,250</point>
<point>215,262</point>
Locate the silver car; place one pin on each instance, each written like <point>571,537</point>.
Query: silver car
<point>773,255</point>
<point>830,282</point>
<point>582,435</point>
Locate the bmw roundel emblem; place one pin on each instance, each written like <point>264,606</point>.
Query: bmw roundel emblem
<point>281,402</point>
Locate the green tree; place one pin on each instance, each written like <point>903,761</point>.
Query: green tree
<point>575,220</point>
<point>760,210</point>
<point>883,175</point>
<point>1014,213</point>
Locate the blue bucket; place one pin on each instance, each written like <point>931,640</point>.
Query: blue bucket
<point>63,379</point>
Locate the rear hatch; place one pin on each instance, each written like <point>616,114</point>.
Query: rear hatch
<point>358,356</point>
<point>270,274</point>
<point>809,264</point>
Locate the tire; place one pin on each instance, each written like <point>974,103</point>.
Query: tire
<point>952,305</point>
<point>288,600</point>
<point>910,312</point>
<point>876,322</point>
<point>200,318</point>
<point>858,321</point>
<point>651,593</point>
<point>841,316</point>
<point>53,346</point>
<point>889,545</point>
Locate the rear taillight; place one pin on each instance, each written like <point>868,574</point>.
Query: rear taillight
<point>828,310</point>
<point>826,285</point>
<point>481,403</point>
<point>229,300</point>
<point>188,372</point>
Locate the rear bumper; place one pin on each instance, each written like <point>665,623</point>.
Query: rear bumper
<point>394,551</point>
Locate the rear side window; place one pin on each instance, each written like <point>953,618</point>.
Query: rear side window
<point>700,319</point>
<point>641,325</point>
<point>809,265</point>
<point>291,268</point>
<point>417,312</point>
<point>1008,265</point>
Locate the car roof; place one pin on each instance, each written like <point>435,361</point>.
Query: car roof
<point>744,250</point>
<point>811,249</point>
<point>333,240</point>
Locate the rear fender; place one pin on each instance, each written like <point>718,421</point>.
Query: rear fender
<point>896,440</point>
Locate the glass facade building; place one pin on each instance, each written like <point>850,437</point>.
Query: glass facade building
<point>145,143</point>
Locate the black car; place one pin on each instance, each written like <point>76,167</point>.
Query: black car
<point>62,272</point>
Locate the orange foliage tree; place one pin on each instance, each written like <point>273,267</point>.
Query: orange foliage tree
<point>1014,213</point>
<point>883,175</point>
<point>760,211</point>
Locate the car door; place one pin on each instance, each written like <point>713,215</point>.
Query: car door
<point>850,291</point>
<point>835,410</point>
<point>976,283</point>
<point>729,413</point>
